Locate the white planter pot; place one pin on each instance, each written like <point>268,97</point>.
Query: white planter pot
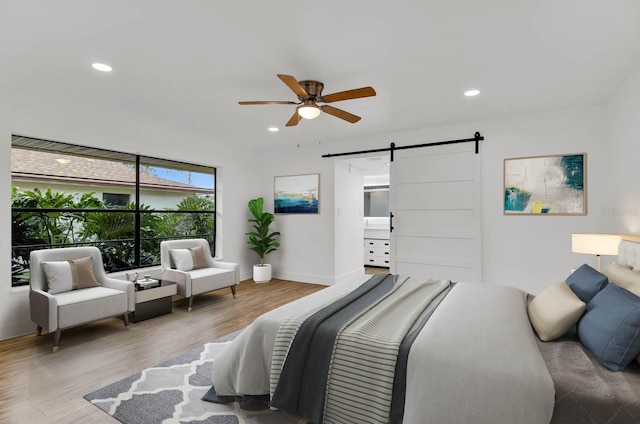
<point>262,273</point>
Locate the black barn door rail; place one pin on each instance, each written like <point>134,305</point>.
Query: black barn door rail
<point>476,139</point>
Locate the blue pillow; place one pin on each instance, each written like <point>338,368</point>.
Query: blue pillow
<point>586,282</point>
<point>611,327</point>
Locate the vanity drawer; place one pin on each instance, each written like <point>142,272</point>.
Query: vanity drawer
<point>376,261</point>
<point>375,243</point>
<point>376,251</point>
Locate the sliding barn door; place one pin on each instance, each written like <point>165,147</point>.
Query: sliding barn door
<point>436,206</point>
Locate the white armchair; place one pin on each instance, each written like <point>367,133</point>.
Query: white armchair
<point>189,263</point>
<point>57,304</point>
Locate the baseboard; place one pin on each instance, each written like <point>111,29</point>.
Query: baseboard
<point>305,278</point>
<point>245,276</point>
<point>17,329</point>
<point>324,280</point>
<point>350,276</point>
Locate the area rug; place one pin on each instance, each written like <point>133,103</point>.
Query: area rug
<point>171,393</point>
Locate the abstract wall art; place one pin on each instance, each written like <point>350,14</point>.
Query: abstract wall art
<point>546,185</point>
<point>298,194</point>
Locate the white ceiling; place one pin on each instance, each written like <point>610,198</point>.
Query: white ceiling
<point>187,63</point>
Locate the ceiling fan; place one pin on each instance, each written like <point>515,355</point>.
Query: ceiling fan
<point>309,94</point>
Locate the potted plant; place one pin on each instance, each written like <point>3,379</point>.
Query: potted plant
<point>260,239</point>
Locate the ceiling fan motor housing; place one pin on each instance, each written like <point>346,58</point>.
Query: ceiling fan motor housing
<point>313,88</point>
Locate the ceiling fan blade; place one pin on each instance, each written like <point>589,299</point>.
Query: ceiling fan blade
<point>348,95</point>
<point>269,102</point>
<point>294,120</point>
<point>293,84</point>
<point>339,113</point>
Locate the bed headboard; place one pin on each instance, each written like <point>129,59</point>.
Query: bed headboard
<point>629,252</point>
<point>625,270</point>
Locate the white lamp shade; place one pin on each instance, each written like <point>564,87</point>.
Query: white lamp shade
<point>309,111</point>
<point>595,244</point>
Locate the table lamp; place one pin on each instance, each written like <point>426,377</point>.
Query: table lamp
<point>595,244</point>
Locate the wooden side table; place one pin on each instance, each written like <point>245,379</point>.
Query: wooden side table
<point>153,302</point>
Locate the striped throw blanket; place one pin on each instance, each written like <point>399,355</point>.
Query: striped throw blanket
<point>337,364</point>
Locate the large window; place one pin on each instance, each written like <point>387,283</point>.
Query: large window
<point>67,195</point>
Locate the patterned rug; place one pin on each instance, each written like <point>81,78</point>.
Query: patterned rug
<point>171,393</point>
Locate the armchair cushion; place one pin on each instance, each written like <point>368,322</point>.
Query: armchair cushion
<point>206,274</point>
<point>188,259</point>
<point>81,306</point>
<point>63,276</point>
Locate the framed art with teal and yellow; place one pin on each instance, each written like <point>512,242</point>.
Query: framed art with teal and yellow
<point>546,185</point>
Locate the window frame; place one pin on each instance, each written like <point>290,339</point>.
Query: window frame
<point>138,210</point>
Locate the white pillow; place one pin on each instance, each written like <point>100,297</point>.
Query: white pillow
<point>63,276</point>
<point>188,259</point>
<point>554,311</point>
<point>623,277</point>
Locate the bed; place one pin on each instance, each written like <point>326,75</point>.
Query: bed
<point>475,353</point>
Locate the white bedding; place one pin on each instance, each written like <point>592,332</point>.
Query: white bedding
<point>475,361</point>
<point>244,368</point>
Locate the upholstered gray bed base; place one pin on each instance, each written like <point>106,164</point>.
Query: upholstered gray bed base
<point>586,392</point>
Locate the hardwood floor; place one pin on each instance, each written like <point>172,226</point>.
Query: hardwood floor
<point>375,270</point>
<point>37,386</point>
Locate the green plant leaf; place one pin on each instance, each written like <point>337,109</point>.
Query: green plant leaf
<point>260,239</point>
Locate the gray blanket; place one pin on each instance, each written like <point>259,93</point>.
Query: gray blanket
<point>307,344</point>
<point>586,392</point>
<point>345,341</point>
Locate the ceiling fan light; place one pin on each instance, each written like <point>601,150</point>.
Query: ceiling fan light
<point>309,111</point>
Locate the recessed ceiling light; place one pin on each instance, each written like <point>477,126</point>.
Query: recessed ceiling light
<point>101,67</point>
<point>471,93</point>
<point>274,129</point>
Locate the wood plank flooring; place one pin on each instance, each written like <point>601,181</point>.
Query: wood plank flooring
<point>37,386</point>
<point>375,270</point>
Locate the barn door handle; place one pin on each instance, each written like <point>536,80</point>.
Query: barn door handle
<point>390,222</point>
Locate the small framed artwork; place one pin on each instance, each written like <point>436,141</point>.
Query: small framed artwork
<point>546,185</point>
<point>298,194</point>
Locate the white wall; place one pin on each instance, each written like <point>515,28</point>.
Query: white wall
<point>532,252</point>
<point>621,211</point>
<point>348,228</point>
<point>13,310</point>
<point>376,180</point>
<point>307,241</point>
